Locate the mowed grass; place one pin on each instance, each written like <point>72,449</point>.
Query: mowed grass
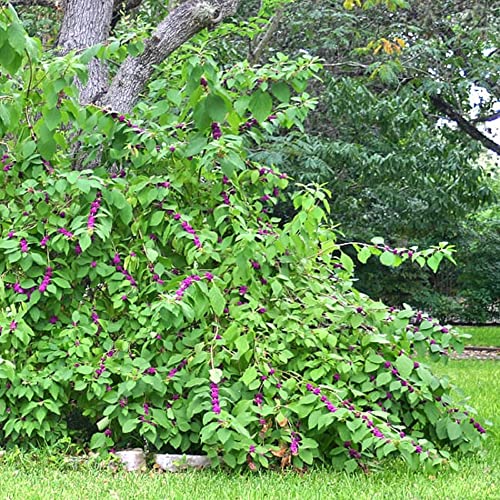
<point>478,476</point>
<point>482,335</point>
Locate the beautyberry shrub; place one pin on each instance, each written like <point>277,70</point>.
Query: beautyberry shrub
<point>156,295</point>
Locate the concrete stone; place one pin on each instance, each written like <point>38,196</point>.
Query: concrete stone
<point>133,459</point>
<point>176,463</point>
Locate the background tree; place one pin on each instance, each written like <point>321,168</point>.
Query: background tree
<point>400,132</point>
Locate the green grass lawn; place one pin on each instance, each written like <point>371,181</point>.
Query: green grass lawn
<point>482,335</point>
<point>478,476</point>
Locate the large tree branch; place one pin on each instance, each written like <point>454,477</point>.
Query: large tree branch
<point>464,124</point>
<point>264,40</point>
<point>179,26</point>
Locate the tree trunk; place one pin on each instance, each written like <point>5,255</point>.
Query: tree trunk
<point>87,23</point>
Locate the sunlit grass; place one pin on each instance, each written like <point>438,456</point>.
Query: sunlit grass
<point>482,335</point>
<point>477,478</point>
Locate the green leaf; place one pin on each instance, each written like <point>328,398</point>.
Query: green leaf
<point>84,241</point>
<point>61,283</point>
<point>160,417</point>
<point>28,148</point>
<point>98,440</point>
<point>46,143</point>
<point>454,430</point>
<point>215,375</point>
<point>364,254</point>
<point>281,91</point>
<point>130,425</point>
<point>241,105</point>
<point>103,423</point>
<point>434,260</point>
<point>196,145</point>
<point>217,300</point>
<point>306,455</point>
<point>151,254</point>
<point>261,105</point>
<point>249,375</point>
<point>242,345</point>
<point>404,365</point>
<point>52,118</point>
<point>388,259</point>
<point>136,48</point>
<point>347,262</point>
<point>126,214</point>
<point>230,460</point>
<point>216,107</point>
<point>355,320</point>
<point>383,379</point>
<point>119,200</point>
<point>156,218</point>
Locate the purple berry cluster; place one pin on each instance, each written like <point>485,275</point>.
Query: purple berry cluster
<point>65,232</point>
<point>252,122</point>
<point>474,423</point>
<point>214,394</point>
<point>7,163</point>
<point>117,263</point>
<point>143,418</point>
<point>295,443</point>
<point>189,229</point>
<point>102,367</point>
<point>46,280</point>
<point>225,197</point>
<point>317,391</point>
<point>156,276</point>
<point>395,373</point>
<point>258,399</point>
<point>44,241</point>
<point>95,319</point>
<point>178,368</point>
<point>396,251</point>
<point>266,170</point>
<point>216,131</point>
<point>353,453</point>
<point>185,284</point>
<point>94,208</point>
<point>477,426</point>
<point>24,246</point>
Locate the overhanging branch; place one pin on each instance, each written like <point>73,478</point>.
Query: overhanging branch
<point>464,124</point>
<point>263,41</point>
<point>179,26</point>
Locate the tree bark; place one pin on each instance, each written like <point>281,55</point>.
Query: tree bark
<point>87,23</point>
<point>178,27</point>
